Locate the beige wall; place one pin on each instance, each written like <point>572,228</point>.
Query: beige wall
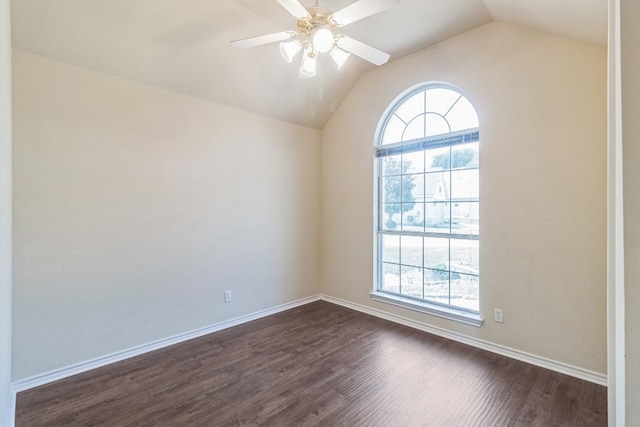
<point>541,101</point>
<point>5,211</point>
<point>135,208</point>
<point>630,34</point>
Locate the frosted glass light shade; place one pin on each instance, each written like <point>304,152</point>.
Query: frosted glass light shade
<point>323,40</point>
<point>290,49</point>
<point>339,56</point>
<point>308,67</point>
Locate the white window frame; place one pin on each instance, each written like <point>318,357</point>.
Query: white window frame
<point>381,150</point>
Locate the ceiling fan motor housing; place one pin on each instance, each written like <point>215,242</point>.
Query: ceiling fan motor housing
<point>319,18</point>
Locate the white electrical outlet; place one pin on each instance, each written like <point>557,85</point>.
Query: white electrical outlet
<point>498,315</point>
<point>227,296</point>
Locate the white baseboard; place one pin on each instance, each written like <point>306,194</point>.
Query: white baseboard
<point>563,368</point>
<point>78,368</point>
<point>58,374</point>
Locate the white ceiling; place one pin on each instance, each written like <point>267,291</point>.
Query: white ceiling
<point>183,45</point>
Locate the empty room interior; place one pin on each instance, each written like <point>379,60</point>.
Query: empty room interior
<point>210,218</point>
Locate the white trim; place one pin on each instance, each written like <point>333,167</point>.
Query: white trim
<point>10,420</point>
<point>78,368</point>
<point>616,396</point>
<point>543,362</point>
<point>449,313</point>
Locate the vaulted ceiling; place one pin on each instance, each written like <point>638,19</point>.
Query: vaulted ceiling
<point>183,45</point>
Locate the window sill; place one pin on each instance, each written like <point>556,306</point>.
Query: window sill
<point>432,309</point>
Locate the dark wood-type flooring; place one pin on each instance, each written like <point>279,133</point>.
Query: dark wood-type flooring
<point>318,364</point>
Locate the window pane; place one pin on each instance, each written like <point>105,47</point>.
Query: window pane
<point>390,248</point>
<point>462,116</point>
<point>465,291</point>
<point>415,129</point>
<point>465,256</point>
<point>391,189</point>
<point>438,159</point>
<point>411,250</point>
<point>391,165</point>
<point>393,130</point>
<point>413,220</point>
<point>440,100</point>
<point>390,280</point>
<point>465,184</point>
<point>391,216</point>
<point>411,281</point>
<point>436,217</point>
<point>411,185</point>
<point>436,253</point>
<point>411,107</point>
<point>413,162</point>
<point>418,188</point>
<point>465,218</point>
<point>436,286</point>
<point>436,125</point>
<point>465,156</point>
<point>437,187</point>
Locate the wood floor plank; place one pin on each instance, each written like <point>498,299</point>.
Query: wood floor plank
<point>316,365</point>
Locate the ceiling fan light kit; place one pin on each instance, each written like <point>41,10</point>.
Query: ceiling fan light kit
<point>290,49</point>
<point>316,34</point>
<point>323,40</point>
<point>308,67</point>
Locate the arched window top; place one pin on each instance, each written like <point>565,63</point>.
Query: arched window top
<point>426,110</point>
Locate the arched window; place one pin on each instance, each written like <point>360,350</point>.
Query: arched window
<point>428,200</point>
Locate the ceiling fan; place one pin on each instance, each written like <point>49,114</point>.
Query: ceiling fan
<point>316,33</point>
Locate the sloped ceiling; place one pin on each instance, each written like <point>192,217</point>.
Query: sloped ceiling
<point>183,45</point>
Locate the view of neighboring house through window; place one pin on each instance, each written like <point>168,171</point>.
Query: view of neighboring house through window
<point>427,156</point>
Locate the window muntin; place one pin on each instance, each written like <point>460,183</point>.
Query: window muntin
<point>428,199</point>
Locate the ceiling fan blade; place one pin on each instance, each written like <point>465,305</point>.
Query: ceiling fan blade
<point>295,8</point>
<point>361,9</point>
<point>362,50</point>
<point>266,39</point>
